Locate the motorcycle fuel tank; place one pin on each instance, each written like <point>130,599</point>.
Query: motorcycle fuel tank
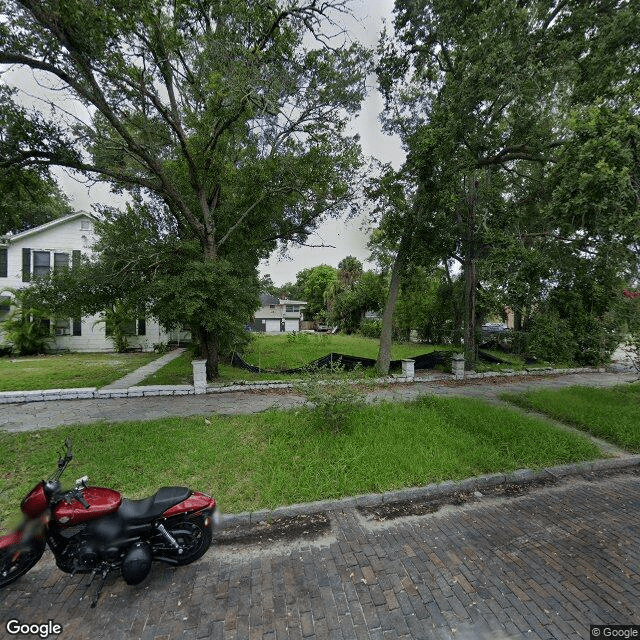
<point>35,502</point>
<point>101,502</point>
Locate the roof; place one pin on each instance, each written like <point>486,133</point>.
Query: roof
<point>266,299</point>
<point>300,302</point>
<point>47,225</point>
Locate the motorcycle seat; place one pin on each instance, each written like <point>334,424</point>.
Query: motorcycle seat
<point>148,509</point>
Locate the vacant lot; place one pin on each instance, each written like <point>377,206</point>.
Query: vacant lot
<point>283,457</point>
<point>288,351</point>
<point>68,370</point>
<point>611,414</point>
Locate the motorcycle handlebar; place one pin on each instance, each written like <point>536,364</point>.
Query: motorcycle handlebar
<point>63,461</point>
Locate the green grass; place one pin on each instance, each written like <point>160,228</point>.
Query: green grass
<point>276,458</point>
<point>612,414</point>
<point>68,370</point>
<point>288,351</point>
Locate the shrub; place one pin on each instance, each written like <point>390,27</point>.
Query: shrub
<point>371,328</point>
<point>334,397</point>
<point>549,337</point>
<point>26,329</point>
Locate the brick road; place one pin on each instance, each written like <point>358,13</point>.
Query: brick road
<point>545,564</point>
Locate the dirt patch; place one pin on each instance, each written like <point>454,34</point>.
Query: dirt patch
<point>308,527</point>
<point>392,510</point>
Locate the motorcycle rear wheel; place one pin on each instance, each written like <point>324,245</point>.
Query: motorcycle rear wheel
<point>194,538</point>
<point>14,563</point>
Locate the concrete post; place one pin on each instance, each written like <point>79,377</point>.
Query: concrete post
<point>199,375</point>
<point>457,366</point>
<point>408,368</point>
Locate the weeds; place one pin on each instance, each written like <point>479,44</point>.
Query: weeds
<point>334,396</point>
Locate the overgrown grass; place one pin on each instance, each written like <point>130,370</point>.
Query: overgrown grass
<point>68,370</point>
<point>276,458</point>
<point>612,414</point>
<point>288,351</point>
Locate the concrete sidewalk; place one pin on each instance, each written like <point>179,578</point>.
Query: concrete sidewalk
<point>31,416</point>
<point>137,376</point>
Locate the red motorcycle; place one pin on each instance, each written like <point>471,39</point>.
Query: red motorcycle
<point>95,530</point>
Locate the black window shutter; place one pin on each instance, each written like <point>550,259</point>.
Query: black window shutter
<point>26,265</point>
<point>75,259</point>
<point>3,262</point>
<point>142,327</point>
<point>77,326</point>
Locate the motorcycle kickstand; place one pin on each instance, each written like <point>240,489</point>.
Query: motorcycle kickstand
<point>105,573</point>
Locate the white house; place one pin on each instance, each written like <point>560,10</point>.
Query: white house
<point>58,244</point>
<point>276,315</point>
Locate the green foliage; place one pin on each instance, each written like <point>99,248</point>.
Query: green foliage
<point>118,318</point>
<point>227,131</point>
<point>521,127</point>
<point>353,294</point>
<point>549,337</point>
<point>371,328</point>
<point>428,303</point>
<point>160,348</point>
<point>334,397</point>
<point>313,284</point>
<point>25,329</point>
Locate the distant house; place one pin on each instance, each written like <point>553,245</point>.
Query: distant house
<point>55,245</point>
<point>276,315</point>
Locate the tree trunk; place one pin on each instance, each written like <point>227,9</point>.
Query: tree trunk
<point>209,350</point>
<point>384,351</point>
<point>470,285</point>
<point>470,277</point>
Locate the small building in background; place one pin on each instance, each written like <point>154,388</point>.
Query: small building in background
<point>276,315</point>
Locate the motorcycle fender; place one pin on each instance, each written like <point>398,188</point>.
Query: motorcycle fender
<point>195,503</point>
<point>11,539</point>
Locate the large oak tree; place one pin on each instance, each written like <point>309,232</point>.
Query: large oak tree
<point>488,97</point>
<point>223,120</point>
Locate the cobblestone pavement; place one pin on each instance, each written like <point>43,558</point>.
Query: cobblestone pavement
<point>544,564</point>
<point>49,414</point>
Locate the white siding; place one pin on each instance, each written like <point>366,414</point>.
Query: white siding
<point>67,236</point>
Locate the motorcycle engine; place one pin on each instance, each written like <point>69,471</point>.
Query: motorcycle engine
<point>81,548</point>
<point>137,563</point>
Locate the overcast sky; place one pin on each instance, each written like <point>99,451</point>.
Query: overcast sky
<point>347,236</point>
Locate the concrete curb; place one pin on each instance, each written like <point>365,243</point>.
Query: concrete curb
<point>84,393</point>
<point>434,490</point>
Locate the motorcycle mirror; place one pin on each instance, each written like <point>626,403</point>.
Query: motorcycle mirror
<point>68,443</point>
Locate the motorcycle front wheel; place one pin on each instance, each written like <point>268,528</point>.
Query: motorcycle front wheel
<point>194,538</point>
<point>15,562</point>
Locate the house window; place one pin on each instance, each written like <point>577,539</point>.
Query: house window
<point>68,327</point>
<point>3,262</point>
<point>293,308</point>
<point>60,261</point>
<point>130,328</point>
<point>272,306</point>
<point>5,305</point>
<point>41,263</point>
<point>85,225</point>
<point>63,327</point>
